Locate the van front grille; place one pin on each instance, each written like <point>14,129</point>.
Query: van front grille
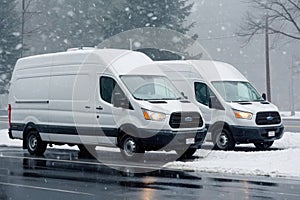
<point>186,120</point>
<point>267,118</point>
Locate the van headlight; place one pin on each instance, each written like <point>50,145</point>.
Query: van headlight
<point>242,115</point>
<point>155,116</point>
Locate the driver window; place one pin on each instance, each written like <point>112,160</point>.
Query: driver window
<point>108,87</point>
<point>203,93</point>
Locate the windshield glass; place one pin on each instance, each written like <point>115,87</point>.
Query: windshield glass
<point>236,91</point>
<point>150,87</point>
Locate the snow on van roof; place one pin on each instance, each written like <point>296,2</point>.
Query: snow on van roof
<point>207,70</point>
<point>122,60</point>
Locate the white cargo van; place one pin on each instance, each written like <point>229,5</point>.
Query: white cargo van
<point>100,97</point>
<point>234,111</point>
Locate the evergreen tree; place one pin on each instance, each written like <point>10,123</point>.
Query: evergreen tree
<point>64,24</point>
<point>164,14</point>
<point>10,41</point>
<point>169,14</point>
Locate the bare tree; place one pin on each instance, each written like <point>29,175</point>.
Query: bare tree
<point>283,18</point>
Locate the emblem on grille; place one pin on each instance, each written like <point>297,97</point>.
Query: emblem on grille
<point>188,119</point>
<point>270,118</point>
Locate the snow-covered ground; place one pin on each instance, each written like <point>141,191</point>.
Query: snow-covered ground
<point>279,163</point>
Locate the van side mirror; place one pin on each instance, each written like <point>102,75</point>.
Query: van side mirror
<point>264,96</point>
<point>120,101</point>
<point>215,103</point>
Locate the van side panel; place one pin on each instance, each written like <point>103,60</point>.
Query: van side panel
<point>71,91</point>
<point>29,95</point>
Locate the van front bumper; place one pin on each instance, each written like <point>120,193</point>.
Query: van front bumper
<point>245,134</point>
<point>171,140</point>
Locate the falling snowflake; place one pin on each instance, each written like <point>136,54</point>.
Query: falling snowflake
<point>71,13</point>
<point>154,18</point>
<point>19,46</point>
<point>137,44</point>
<point>150,14</point>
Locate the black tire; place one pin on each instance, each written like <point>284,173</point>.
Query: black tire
<point>263,145</point>
<point>86,150</point>
<point>223,140</point>
<point>34,144</point>
<point>188,153</point>
<point>131,150</point>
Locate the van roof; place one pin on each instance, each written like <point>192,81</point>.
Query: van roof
<point>207,70</point>
<point>123,61</point>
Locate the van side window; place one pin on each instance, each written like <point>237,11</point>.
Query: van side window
<point>108,87</point>
<point>203,93</point>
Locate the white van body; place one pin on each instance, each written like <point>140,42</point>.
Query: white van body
<point>79,97</point>
<point>231,119</point>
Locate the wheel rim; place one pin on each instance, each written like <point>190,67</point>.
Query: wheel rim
<point>129,147</point>
<point>222,140</point>
<point>32,141</point>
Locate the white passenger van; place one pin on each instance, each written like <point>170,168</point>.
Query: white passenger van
<point>234,111</point>
<point>103,97</point>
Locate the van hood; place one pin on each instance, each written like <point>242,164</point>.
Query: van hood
<point>253,107</point>
<point>169,106</point>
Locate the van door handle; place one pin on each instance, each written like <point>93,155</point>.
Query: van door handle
<point>87,107</point>
<point>99,108</point>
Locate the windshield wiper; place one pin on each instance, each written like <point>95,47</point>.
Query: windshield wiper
<point>140,99</point>
<point>259,100</point>
<point>240,101</point>
<point>178,98</point>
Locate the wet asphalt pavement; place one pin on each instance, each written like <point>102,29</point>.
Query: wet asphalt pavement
<point>291,125</point>
<point>63,174</point>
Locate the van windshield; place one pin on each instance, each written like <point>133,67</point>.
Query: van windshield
<point>237,91</point>
<point>150,87</point>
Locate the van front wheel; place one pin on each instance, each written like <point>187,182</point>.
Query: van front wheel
<point>223,140</point>
<point>130,148</point>
<point>35,145</point>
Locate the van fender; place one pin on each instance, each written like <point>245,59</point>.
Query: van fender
<point>28,127</point>
<point>218,125</point>
<point>129,120</point>
<point>128,129</point>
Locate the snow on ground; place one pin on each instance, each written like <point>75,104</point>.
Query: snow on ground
<point>5,141</point>
<point>277,163</point>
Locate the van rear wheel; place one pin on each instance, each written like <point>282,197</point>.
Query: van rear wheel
<point>131,150</point>
<point>35,145</point>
